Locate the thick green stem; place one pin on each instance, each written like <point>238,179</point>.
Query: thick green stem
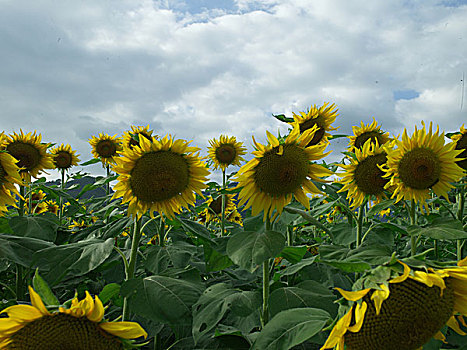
<point>289,237</point>
<point>162,232</point>
<point>62,187</point>
<point>358,238</point>
<point>223,204</point>
<point>413,221</point>
<point>107,185</point>
<point>265,311</point>
<point>460,217</point>
<point>130,273</point>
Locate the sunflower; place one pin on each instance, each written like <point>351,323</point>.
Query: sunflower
<point>64,157</point>
<point>78,225</point>
<point>79,327</point>
<point>51,207</point>
<point>364,132</point>
<point>213,211</point>
<point>131,137</point>
<point>9,176</point>
<point>280,170</point>
<point>31,155</point>
<point>105,147</point>
<point>421,163</point>
<point>161,176</point>
<point>226,151</point>
<point>322,117</point>
<point>461,144</point>
<point>363,176</point>
<point>403,312</point>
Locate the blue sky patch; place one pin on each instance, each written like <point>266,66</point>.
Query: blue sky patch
<point>407,94</point>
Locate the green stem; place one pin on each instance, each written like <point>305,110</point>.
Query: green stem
<point>358,238</point>
<point>62,187</point>
<point>107,185</point>
<point>413,221</point>
<point>223,204</point>
<point>162,232</point>
<point>289,236</point>
<point>130,273</point>
<point>265,311</point>
<point>460,217</point>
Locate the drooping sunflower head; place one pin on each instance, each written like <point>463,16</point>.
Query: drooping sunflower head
<point>131,137</point>
<point>461,144</point>
<point>31,155</point>
<point>280,171</point>
<point>161,176</point>
<point>321,117</point>
<point>106,148</point>
<point>366,132</point>
<point>402,310</point>
<point>82,326</point>
<point>9,177</point>
<point>422,163</point>
<point>226,151</point>
<point>363,177</point>
<point>64,157</point>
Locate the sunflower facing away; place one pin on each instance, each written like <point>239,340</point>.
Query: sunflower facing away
<point>420,163</point>
<point>159,176</point>
<point>322,117</point>
<point>363,176</point>
<point>105,147</point>
<point>403,312</point>
<point>80,327</point>
<point>30,153</point>
<point>461,144</point>
<point>64,157</point>
<point>226,151</point>
<point>9,176</point>
<point>131,137</point>
<point>364,132</point>
<point>280,170</point>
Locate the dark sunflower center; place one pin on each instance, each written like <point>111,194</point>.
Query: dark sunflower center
<point>368,177</point>
<point>420,168</point>
<point>158,176</point>
<point>411,315</point>
<point>225,154</point>
<point>373,135</point>
<point>216,205</point>
<point>63,160</point>
<point>319,134</point>
<point>462,144</point>
<point>279,175</point>
<point>106,148</point>
<point>63,332</point>
<point>27,155</point>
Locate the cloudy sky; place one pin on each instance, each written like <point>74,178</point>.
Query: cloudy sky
<point>199,68</point>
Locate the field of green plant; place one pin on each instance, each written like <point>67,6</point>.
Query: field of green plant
<point>287,252</point>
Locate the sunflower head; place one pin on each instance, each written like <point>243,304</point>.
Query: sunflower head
<point>131,137</point>
<point>64,157</point>
<point>363,177</point>
<point>321,117</point>
<point>9,177</point>
<point>280,171</point>
<point>226,151</point>
<point>421,163</point>
<point>31,155</point>
<point>162,175</point>
<point>213,212</point>
<point>82,326</point>
<point>52,207</point>
<point>105,147</point>
<point>367,132</point>
<point>401,310</point>
<point>461,144</point>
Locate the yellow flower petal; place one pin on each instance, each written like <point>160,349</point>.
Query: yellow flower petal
<point>37,302</point>
<point>379,296</point>
<point>353,296</point>
<point>125,330</point>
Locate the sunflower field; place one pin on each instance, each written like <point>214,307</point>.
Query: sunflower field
<point>287,252</point>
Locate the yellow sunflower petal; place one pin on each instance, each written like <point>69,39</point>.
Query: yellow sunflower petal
<point>125,330</point>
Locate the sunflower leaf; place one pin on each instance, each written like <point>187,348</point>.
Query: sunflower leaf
<point>43,289</point>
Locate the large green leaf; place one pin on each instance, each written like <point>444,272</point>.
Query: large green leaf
<point>74,259</point>
<point>293,254</point>
<point>21,249</point>
<point>291,327</point>
<point>196,229</point>
<point>162,299</point>
<point>249,249</point>
<point>43,289</point>
<point>441,228</point>
<point>42,227</point>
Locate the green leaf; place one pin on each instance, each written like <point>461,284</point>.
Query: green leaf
<point>91,161</point>
<point>291,327</point>
<point>293,254</point>
<point>250,249</point>
<point>375,209</point>
<point>215,261</point>
<point>42,227</point>
<point>109,292</point>
<point>74,259</point>
<point>292,269</point>
<point>283,118</point>
<point>343,233</point>
<point>441,228</point>
<point>162,299</point>
<point>43,289</point>
<point>20,250</point>
<point>196,229</point>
